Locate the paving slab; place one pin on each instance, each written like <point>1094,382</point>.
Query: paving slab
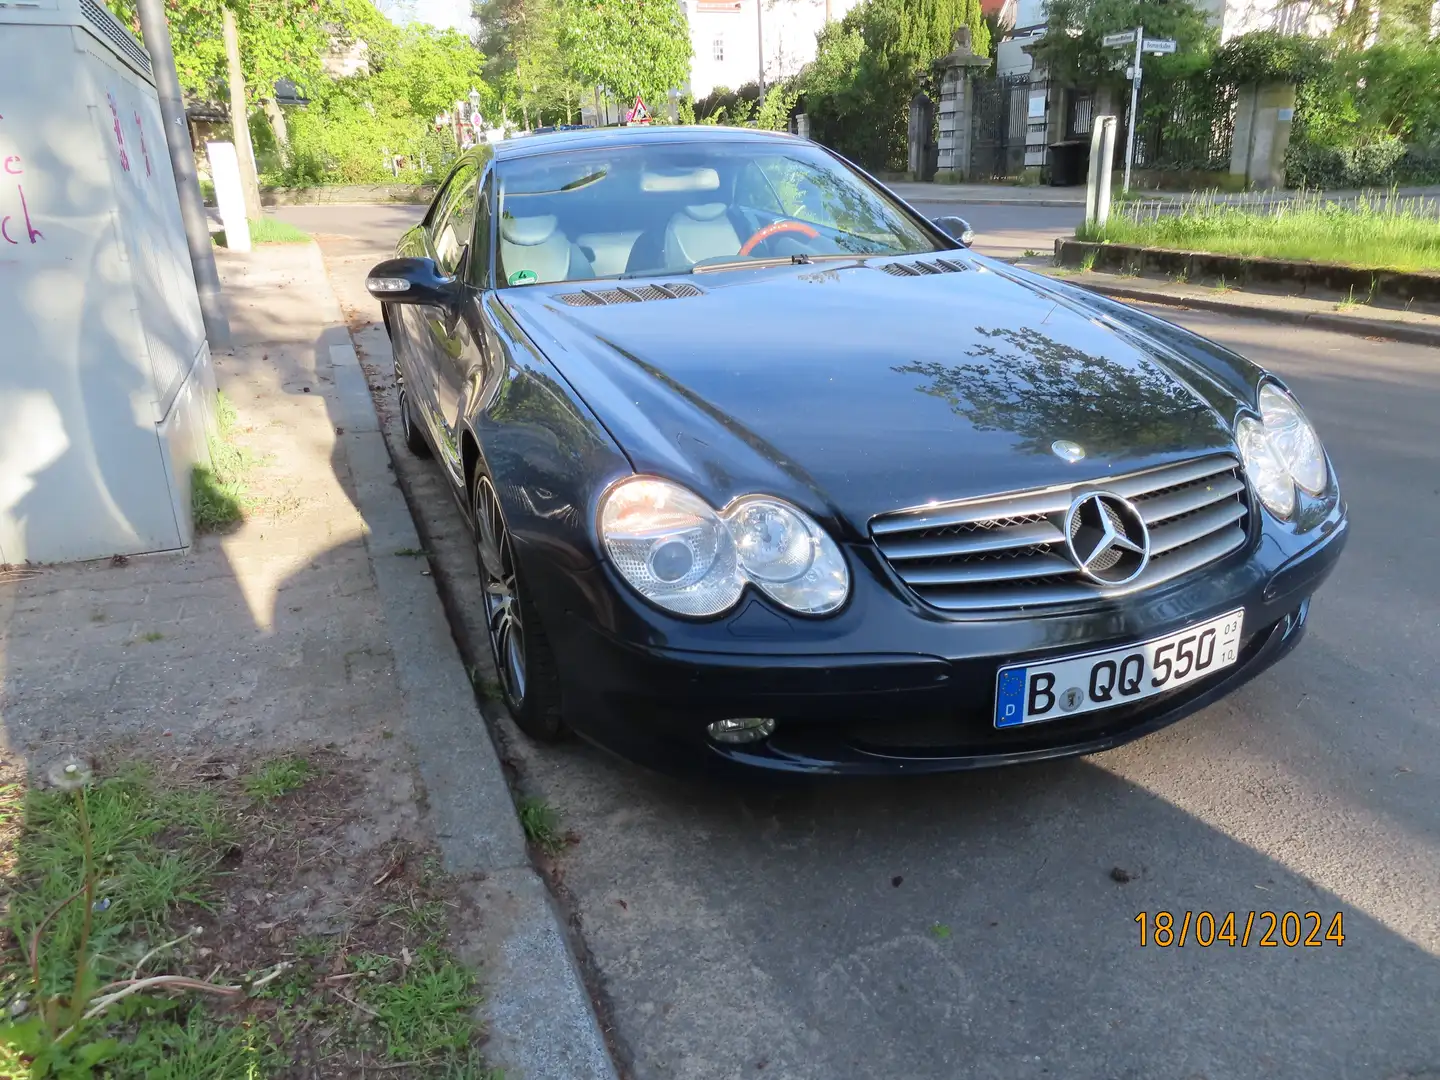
<point>306,626</point>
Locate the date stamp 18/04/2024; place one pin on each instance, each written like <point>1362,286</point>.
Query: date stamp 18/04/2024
<point>1240,929</point>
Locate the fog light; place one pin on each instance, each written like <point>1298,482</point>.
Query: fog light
<point>750,729</point>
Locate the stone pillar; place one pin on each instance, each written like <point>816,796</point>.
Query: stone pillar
<point>922,120</point>
<point>957,107</point>
<point>1263,116</point>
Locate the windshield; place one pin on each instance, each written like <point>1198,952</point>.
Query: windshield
<point>642,211</point>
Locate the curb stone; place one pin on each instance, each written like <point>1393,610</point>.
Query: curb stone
<point>1334,321</point>
<point>536,1011</point>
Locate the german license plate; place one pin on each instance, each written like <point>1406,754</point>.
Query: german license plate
<point>1069,686</point>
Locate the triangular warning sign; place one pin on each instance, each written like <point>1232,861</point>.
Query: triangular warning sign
<point>639,114</point>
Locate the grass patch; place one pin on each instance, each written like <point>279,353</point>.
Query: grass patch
<point>217,490</point>
<point>278,778</point>
<point>139,875</point>
<point>266,230</point>
<point>271,230</point>
<point>1087,262</point>
<point>1376,233</point>
<point>541,823</point>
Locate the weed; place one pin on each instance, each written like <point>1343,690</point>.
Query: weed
<point>278,778</point>
<point>217,490</point>
<point>1349,301</point>
<point>1386,232</point>
<point>98,869</point>
<point>152,636</point>
<point>411,553</point>
<point>266,230</point>
<point>1087,261</point>
<point>421,917</point>
<point>97,616</point>
<point>1222,286</point>
<point>370,963</point>
<point>941,931</point>
<point>1030,253</point>
<point>428,1010</point>
<point>541,823</point>
<point>271,230</point>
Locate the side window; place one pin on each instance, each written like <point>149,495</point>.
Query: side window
<point>752,190</point>
<point>455,220</point>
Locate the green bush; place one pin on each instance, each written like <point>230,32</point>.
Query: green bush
<point>1332,167</point>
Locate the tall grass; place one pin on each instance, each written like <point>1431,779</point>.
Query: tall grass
<point>1374,232</point>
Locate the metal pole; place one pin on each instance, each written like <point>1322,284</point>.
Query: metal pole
<point>760,44</point>
<point>1134,105</point>
<point>156,32</point>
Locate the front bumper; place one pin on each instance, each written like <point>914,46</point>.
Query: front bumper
<point>876,690</point>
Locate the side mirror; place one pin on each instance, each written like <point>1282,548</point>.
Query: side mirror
<point>411,281</point>
<point>957,228</point>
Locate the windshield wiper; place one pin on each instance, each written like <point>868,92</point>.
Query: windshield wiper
<point>736,264</point>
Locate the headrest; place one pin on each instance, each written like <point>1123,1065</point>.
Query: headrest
<point>701,179</point>
<point>705,211</point>
<point>527,231</point>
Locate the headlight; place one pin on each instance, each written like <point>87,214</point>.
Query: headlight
<point>788,555</point>
<point>1293,438</point>
<point>1272,480</point>
<point>670,546</point>
<point>683,556</point>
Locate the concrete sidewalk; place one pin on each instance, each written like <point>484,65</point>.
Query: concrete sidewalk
<point>310,624</point>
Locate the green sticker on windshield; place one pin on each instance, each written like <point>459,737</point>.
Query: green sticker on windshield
<point>524,277</point>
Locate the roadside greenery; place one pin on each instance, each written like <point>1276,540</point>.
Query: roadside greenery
<point>869,65</point>
<point>547,56</point>
<point>133,948</point>
<point>217,490</point>
<point>1383,233</point>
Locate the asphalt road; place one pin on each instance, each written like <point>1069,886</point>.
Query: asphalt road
<point>983,925</point>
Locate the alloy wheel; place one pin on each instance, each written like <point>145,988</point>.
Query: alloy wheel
<point>502,598</point>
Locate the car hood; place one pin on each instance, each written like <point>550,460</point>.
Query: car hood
<point>855,391</point>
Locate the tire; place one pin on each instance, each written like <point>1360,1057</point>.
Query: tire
<point>524,663</point>
<point>414,437</point>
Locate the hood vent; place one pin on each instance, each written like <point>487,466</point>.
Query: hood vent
<point>601,297</point>
<point>919,268</point>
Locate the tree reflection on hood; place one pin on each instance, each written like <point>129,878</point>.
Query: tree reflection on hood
<point>1024,381</point>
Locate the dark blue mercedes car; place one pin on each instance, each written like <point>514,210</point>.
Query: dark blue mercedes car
<point>764,466</point>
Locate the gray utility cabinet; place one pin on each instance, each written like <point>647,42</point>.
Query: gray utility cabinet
<point>106,386</point>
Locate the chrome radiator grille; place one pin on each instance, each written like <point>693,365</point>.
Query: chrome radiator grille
<point>1009,551</point>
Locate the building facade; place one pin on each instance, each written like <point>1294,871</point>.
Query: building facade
<point>727,37</point>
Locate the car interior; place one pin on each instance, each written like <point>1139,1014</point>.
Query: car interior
<point>592,214</point>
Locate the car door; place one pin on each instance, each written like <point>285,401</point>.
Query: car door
<point>462,356</point>
<point>411,330</point>
<point>446,335</point>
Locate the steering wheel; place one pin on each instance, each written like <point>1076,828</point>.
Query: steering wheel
<point>775,229</point>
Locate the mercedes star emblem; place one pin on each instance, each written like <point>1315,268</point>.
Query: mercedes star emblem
<point>1107,538</point>
<point>1066,450</point>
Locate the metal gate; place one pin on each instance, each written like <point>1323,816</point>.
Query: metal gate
<point>997,140</point>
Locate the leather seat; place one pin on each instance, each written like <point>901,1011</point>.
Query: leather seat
<point>536,245</point>
<point>697,233</point>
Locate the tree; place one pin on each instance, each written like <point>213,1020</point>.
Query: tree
<point>629,46</point>
<point>869,66</point>
<point>278,39</point>
<point>1074,54</point>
